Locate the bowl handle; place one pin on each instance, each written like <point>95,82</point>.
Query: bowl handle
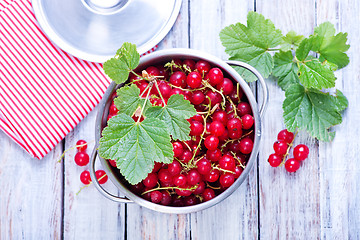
<point>262,82</point>
<point>100,188</point>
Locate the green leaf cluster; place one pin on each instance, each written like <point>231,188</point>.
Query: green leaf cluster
<point>304,69</point>
<point>137,145</point>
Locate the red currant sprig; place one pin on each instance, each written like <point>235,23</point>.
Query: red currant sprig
<point>282,148</point>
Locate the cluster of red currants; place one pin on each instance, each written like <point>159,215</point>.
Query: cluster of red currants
<point>282,147</point>
<point>82,159</point>
<point>221,133</point>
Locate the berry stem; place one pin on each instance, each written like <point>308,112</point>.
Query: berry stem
<point>85,186</point>
<point>169,188</point>
<point>232,103</point>
<point>208,85</point>
<point>162,98</point>
<point>146,99</point>
<point>288,149</point>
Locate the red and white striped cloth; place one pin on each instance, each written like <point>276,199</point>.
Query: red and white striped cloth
<point>44,91</point>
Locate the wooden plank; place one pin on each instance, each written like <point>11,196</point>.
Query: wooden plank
<point>88,215</point>
<point>237,216</point>
<point>30,193</point>
<point>141,222</point>
<point>339,175</point>
<point>289,203</point>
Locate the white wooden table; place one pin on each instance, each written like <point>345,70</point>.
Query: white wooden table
<point>322,200</point>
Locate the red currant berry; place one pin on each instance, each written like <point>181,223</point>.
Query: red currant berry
<point>213,175</point>
<point>142,85</point>
<point>82,142</point>
<point>211,142</point>
<point>194,80</point>
<point>178,79</point>
<point>113,109</point>
<point>197,117</point>
<point>165,176</point>
<point>286,136</point>
<point>238,171</point>
<point>213,155</point>
<point>292,165</point>
<point>226,86</point>
<point>193,177</point>
<point>247,121</point>
<point>157,167</point>
<point>178,64</point>
<point>243,108</point>
<point>227,162</point>
<point>246,145</point>
<point>85,177</point>
<point>215,98</point>
<point>197,97</point>
<point>137,188</point>
<point>215,76</point>
<point>234,147</point>
<point>196,128</point>
<point>166,198</point>
<point>163,72</point>
<point>180,180</point>
<point>156,196</point>
<point>234,124</point>
<point>101,176</point>
<point>203,166</point>
<point>190,64</point>
<point>236,95</point>
<point>301,152</point>
<point>202,66</point>
<point>177,202</point>
<point>191,200</point>
<point>153,71</point>
<point>280,147</point>
<point>220,116</point>
<point>225,136</point>
<point>184,191</point>
<point>275,160</point>
<point>226,180</point>
<point>200,188</point>
<point>178,149</point>
<point>186,156</point>
<point>81,158</point>
<point>174,168</point>
<point>165,89</point>
<point>151,180</point>
<point>112,163</point>
<point>208,194</point>
<point>217,128</point>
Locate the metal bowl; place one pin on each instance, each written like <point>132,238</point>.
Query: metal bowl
<point>161,57</point>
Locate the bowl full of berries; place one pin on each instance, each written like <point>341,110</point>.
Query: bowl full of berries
<point>180,132</point>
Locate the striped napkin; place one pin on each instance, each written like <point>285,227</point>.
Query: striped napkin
<point>44,92</point>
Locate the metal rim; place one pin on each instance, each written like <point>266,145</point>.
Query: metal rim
<point>164,55</point>
<point>64,45</point>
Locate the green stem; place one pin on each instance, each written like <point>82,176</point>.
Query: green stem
<point>146,99</point>
<point>157,87</point>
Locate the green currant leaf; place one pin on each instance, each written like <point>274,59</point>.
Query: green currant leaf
<point>126,59</point>
<point>136,145</point>
<point>285,69</point>
<point>312,110</point>
<point>304,48</point>
<point>290,40</point>
<point>174,114</point>
<point>128,100</point>
<point>341,101</point>
<point>330,46</point>
<point>315,75</point>
<point>250,44</point>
